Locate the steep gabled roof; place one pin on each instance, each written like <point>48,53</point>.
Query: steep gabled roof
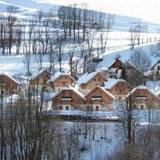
<point>36,74</point>
<point>9,76</point>
<point>140,88</point>
<point>112,82</point>
<point>158,61</point>
<point>70,88</point>
<point>132,65</point>
<point>57,75</point>
<point>117,60</point>
<point>85,78</point>
<point>103,90</point>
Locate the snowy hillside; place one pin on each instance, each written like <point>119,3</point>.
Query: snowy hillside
<point>109,57</point>
<point>16,65</point>
<point>27,8</point>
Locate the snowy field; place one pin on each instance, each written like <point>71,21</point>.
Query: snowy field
<point>96,141</point>
<point>16,64</point>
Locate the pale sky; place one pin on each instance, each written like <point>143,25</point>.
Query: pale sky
<point>148,10</point>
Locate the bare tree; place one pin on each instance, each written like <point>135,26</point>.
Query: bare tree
<point>140,60</point>
<point>11,23</point>
<point>135,34</point>
<point>59,46</point>
<point>107,24</point>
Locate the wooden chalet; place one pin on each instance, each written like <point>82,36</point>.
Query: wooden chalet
<point>40,78</point>
<point>60,80</point>
<point>88,81</point>
<point>117,87</point>
<point>99,99</point>
<point>8,83</point>
<point>141,97</point>
<point>68,98</point>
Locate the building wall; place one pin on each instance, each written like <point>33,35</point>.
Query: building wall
<point>105,101</point>
<point>75,102</point>
<point>97,80</point>
<point>7,84</point>
<point>156,72</point>
<point>150,101</point>
<point>61,82</point>
<point>40,79</point>
<point>120,89</point>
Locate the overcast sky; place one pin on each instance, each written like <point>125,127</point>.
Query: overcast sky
<point>147,9</point>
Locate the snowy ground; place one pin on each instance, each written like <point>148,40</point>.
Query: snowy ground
<point>16,65</point>
<point>101,139</point>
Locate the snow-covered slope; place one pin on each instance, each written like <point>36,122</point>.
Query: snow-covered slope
<point>109,57</point>
<point>27,8</point>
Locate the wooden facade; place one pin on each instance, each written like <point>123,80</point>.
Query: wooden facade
<point>97,79</point>
<point>99,99</point>
<point>40,78</point>
<point>60,82</point>
<point>8,83</point>
<point>68,99</point>
<point>142,97</point>
<point>120,89</point>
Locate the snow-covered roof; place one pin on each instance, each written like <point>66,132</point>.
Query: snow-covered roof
<point>125,55</point>
<point>111,82</point>
<point>86,77</point>
<point>9,76</point>
<point>36,74</point>
<point>154,86</point>
<point>75,90</point>
<point>153,65</point>
<point>105,91</point>
<point>49,95</point>
<point>141,87</point>
<point>111,95</point>
<point>158,93</point>
<point>57,75</point>
<point>11,99</point>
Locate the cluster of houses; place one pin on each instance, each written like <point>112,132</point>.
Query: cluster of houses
<point>95,91</point>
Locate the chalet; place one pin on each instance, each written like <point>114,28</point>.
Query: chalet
<point>105,73</point>
<point>8,83</point>
<point>99,99</point>
<point>132,75</point>
<point>68,98</point>
<point>141,97</point>
<point>158,94</point>
<point>88,81</point>
<point>117,87</point>
<point>116,68</point>
<point>156,71</point>
<point>40,78</point>
<point>60,80</point>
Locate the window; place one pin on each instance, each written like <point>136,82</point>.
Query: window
<point>158,67</point>
<point>134,106</point>
<point>60,107</point>
<point>142,106</point>
<point>67,107</point>
<point>97,108</point>
<point>87,108</point>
